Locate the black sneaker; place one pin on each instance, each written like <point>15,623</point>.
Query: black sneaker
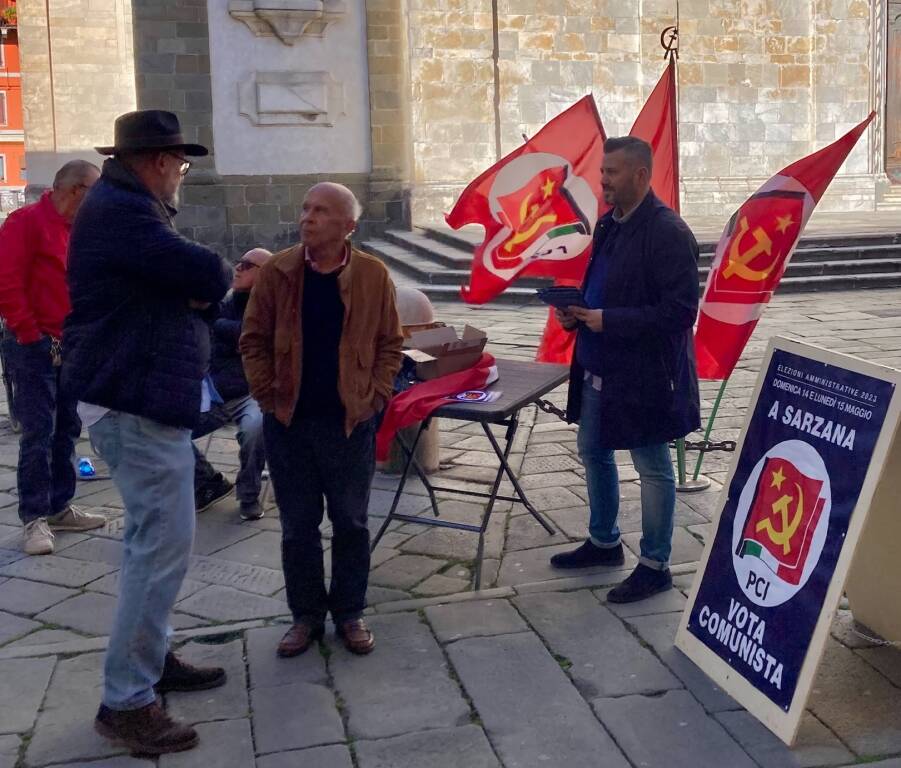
<point>211,492</point>
<point>178,675</point>
<point>251,510</point>
<point>587,555</point>
<point>641,583</point>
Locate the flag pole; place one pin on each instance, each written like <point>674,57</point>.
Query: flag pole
<point>669,41</point>
<point>710,420</point>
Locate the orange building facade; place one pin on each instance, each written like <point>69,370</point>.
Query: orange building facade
<point>12,133</point>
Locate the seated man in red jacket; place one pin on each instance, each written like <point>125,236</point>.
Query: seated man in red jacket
<point>34,301</point>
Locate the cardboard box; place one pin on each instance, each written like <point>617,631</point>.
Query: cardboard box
<point>438,351</point>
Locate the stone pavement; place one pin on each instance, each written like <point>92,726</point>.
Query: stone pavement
<point>534,670</point>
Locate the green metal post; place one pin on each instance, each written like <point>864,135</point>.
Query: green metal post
<point>680,460</point>
<point>716,407</point>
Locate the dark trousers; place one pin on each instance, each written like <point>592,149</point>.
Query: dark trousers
<point>50,427</point>
<point>310,462</point>
<point>204,472</point>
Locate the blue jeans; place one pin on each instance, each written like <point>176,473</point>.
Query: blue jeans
<point>246,414</point>
<point>50,427</point>
<point>658,487</point>
<point>153,467</point>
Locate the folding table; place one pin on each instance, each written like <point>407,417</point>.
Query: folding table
<point>521,383</point>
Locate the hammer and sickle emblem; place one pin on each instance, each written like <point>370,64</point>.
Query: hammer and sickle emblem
<point>738,261</point>
<point>525,217</point>
<point>783,536</point>
<point>669,41</point>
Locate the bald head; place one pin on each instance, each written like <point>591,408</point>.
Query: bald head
<point>328,217</point>
<point>343,198</point>
<point>70,184</point>
<point>75,173</point>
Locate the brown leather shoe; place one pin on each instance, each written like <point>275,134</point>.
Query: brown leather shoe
<point>298,639</point>
<point>148,730</point>
<point>356,635</point>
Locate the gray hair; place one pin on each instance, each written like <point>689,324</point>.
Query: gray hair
<point>73,173</point>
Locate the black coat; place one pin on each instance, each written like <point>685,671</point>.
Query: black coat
<point>225,366</point>
<point>132,343</point>
<point>649,392</point>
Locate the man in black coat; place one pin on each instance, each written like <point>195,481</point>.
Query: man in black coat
<point>135,351</point>
<point>227,372</point>
<point>633,383</point>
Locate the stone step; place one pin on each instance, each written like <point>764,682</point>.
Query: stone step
<point>412,254</point>
<point>842,267</point>
<point>513,295</point>
<point>418,242</point>
<point>454,249</point>
<point>437,260</point>
<point>459,256</point>
<point>471,235</point>
<point>847,269</point>
<point>848,282</point>
<point>426,270</point>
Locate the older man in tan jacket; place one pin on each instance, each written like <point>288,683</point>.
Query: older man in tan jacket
<point>321,344</point>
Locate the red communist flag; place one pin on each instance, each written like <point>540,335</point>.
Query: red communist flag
<point>539,205</point>
<point>657,124</point>
<point>783,518</point>
<point>754,251</point>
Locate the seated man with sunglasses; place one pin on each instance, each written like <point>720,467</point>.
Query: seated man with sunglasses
<point>238,406</point>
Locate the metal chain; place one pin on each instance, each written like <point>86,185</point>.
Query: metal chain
<point>708,446</point>
<point>877,641</point>
<point>549,407</point>
<point>702,446</point>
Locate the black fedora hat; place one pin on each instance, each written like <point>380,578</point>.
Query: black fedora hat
<point>150,129</point>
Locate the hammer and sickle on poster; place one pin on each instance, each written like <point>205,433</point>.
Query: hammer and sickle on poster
<point>782,537</point>
<point>739,261</point>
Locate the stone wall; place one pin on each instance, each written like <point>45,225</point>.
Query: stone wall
<point>762,83</point>
<point>90,46</point>
<point>454,84</point>
<point>239,212</point>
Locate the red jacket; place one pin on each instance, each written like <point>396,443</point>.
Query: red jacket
<point>34,298</point>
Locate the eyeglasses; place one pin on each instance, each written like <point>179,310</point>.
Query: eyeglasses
<point>243,266</point>
<point>185,163</point>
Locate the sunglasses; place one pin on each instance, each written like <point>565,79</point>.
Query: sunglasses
<point>243,266</point>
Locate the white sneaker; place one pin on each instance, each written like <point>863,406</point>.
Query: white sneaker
<point>38,538</point>
<point>74,518</point>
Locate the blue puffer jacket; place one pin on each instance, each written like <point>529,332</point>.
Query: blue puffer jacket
<point>132,343</point>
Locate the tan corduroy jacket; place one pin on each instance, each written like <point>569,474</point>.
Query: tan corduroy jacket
<point>369,354</point>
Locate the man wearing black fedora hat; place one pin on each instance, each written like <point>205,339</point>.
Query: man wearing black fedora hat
<point>135,351</point>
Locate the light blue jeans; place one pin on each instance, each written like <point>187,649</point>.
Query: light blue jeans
<point>152,466</point>
<point>245,412</point>
<point>658,487</point>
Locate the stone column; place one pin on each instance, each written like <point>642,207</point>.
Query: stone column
<point>172,52</point>
<point>215,64</point>
<point>389,111</point>
<point>77,76</point>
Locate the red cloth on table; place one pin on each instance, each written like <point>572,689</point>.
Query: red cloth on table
<point>416,403</point>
